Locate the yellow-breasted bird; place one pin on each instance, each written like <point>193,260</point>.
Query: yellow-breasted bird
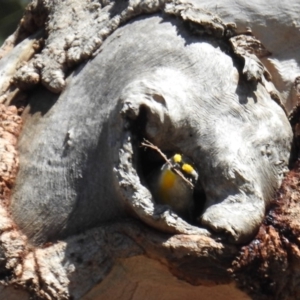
<point>169,188</point>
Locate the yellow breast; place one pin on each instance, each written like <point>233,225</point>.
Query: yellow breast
<point>167,182</point>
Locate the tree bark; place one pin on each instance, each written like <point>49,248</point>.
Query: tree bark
<point>82,83</point>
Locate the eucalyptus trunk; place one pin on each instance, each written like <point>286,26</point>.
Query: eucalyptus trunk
<point>85,84</point>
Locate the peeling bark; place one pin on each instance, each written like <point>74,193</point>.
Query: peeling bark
<point>272,258</point>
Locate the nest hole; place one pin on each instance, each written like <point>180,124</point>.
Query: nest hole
<point>148,160</point>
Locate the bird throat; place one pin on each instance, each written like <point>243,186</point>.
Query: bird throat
<point>167,183</point>
<point>168,180</point>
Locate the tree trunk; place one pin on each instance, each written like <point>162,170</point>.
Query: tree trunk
<point>83,84</point>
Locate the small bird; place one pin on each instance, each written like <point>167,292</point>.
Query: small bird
<point>169,188</point>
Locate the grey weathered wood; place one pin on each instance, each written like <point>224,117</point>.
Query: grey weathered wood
<point>79,149</point>
<point>197,103</point>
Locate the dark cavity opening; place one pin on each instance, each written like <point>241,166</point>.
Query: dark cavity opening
<point>148,161</point>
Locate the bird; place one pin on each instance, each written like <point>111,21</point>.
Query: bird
<point>169,188</point>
